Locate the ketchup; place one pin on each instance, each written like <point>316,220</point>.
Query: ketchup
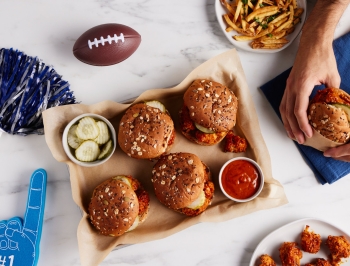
<point>240,179</point>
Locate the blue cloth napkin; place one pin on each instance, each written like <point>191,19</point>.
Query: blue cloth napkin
<point>327,170</point>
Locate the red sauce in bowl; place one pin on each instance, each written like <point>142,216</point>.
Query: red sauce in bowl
<point>240,179</point>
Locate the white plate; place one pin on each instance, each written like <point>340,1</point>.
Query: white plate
<point>291,233</point>
<point>220,11</point>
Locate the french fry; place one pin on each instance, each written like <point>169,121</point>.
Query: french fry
<point>244,25</point>
<point>273,35</point>
<point>298,12</point>
<point>269,2</point>
<point>259,11</point>
<point>280,17</point>
<point>279,23</point>
<point>228,7</point>
<point>228,29</point>
<point>266,14</point>
<point>284,41</point>
<point>257,5</point>
<point>266,46</point>
<point>247,38</point>
<point>238,10</point>
<point>289,21</point>
<point>294,3</point>
<point>250,4</point>
<point>233,25</point>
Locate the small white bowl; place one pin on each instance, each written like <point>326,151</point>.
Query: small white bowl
<point>70,151</point>
<point>261,176</point>
<point>245,45</point>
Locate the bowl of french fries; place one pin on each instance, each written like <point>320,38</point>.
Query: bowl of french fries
<point>89,140</point>
<point>262,26</point>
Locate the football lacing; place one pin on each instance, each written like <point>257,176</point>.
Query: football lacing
<point>109,39</point>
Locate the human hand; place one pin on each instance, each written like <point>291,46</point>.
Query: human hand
<point>19,242</point>
<point>315,64</point>
<point>341,153</point>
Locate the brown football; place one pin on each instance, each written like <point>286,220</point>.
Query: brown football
<point>106,44</point>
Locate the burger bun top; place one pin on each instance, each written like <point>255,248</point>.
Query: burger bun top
<point>211,105</point>
<point>178,179</point>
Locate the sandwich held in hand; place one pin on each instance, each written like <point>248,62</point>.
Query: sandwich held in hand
<point>146,130</point>
<point>329,115</point>
<point>182,182</point>
<point>118,205</point>
<point>208,112</point>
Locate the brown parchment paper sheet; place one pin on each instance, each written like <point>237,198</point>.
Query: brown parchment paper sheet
<point>320,142</point>
<point>162,222</point>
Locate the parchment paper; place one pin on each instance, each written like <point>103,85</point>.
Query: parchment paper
<point>161,222</point>
<point>320,142</point>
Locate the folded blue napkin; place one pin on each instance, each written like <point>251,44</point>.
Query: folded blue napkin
<point>327,170</point>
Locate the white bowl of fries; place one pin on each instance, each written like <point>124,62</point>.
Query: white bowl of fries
<point>261,26</point>
<point>89,140</point>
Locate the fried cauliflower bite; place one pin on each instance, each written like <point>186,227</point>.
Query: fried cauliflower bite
<point>290,254</point>
<point>339,247</point>
<point>266,260</point>
<point>310,241</point>
<point>319,262</point>
<point>235,143</point>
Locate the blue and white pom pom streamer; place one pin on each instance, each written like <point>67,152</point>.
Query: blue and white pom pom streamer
<point>27,88</point>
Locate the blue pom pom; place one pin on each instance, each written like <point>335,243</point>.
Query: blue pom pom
<point>27,88</point>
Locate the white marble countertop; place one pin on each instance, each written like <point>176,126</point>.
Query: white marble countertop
<point>176,37</point>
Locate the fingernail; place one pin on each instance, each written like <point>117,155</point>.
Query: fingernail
<point>327,155</point>
<point>298,140</point>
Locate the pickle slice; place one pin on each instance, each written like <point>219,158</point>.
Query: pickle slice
<point>87,128</point>
<point>345,108</point>
<point>198,202</point>
<point>103,136</point>
<point>72,138</point>
<point>204,129</point>
<point>106,150</point>
<point>157,104</point>
<point>88,151</point>
<point>124,179</point>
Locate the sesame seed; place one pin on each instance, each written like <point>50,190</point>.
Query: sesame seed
<point>190,161</point>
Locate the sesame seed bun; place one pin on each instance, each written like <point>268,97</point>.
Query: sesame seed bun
<point>145,132</point>
<point>179,179</point>
<point>328,119</point>
<point>210,105</point>
<point>115,205</point>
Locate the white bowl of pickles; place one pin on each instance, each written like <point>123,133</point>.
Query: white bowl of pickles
<point>89,140</point>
